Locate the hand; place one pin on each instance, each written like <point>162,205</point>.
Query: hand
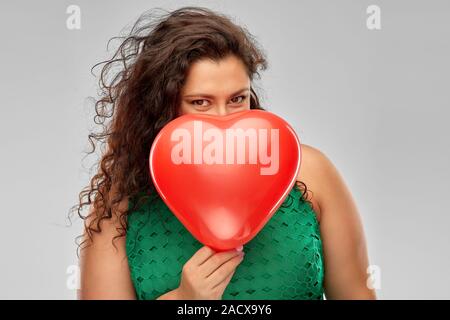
<point>207,273</point>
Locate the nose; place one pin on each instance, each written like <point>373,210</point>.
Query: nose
<point>221,110</point>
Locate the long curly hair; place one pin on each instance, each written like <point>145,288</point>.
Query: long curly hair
<point>140,96</point>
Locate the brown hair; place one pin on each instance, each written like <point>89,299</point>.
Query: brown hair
<point>143,96</point>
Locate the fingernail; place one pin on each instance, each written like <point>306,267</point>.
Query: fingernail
<point>240,248</point>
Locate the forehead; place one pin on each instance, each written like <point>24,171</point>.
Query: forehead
<point>208,76</point>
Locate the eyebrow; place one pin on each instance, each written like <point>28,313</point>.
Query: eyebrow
<point>210,96</point>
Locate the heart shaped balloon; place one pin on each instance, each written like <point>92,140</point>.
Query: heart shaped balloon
<point>224,177</point>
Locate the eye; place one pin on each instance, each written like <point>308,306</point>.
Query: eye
<point>243,98</point>
<point>194,102</point>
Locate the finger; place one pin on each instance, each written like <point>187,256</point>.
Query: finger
<point>224,271</point>
<point>202,255</point>
<point>215,261</point>
<point>223,285</point>
<point>227,280</point>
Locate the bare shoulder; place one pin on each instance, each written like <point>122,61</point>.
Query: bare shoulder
<point>104,270</point>
<point>313,171</point>
<point>109,226</point>
<point>314,159</point>
<point>342,233</point>
<point>323,178</point>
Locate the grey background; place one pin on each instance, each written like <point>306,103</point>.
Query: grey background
<point>375,102</point>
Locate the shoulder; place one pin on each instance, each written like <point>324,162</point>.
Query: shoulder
<point>108,225</point>
<point>104,270</point>
<point>315,160</point>
<point>341,229</point>
<point>315,169</point>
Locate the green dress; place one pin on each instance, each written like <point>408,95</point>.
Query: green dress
<point>284,261</point>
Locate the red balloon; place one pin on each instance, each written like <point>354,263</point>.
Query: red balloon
<point>224,177</point>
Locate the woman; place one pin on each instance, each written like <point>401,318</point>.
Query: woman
<point>194,60</point>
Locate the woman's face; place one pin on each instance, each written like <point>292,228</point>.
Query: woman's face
<point>216,88</point>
